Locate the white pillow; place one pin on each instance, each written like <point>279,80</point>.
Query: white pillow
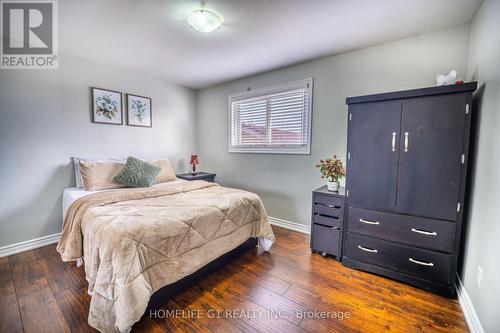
<point>76,166</point>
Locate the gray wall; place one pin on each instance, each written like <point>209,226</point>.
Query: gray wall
<point>481,239</point>
<point>45,119</point>
<point>285,181</point>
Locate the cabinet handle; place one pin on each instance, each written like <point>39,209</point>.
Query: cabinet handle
<point>406,141</point>
<point>423,263</point>
<point>393,141</point>
<point>326,205</point>
<point>367,249</point>
<point>369,222</point>
<point>423,232</point>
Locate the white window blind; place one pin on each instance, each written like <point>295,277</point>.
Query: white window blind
<point>272,120</point>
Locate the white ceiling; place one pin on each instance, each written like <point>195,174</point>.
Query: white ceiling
<point>152,36</point>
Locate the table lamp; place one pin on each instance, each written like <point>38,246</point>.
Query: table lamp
<point>193,162</point>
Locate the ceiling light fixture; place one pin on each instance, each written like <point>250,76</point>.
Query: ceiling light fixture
<point>204,20</point>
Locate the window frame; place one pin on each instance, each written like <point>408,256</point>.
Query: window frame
<point>270,90</point>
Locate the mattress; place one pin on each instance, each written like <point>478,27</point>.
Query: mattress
<point>137,240</point>
<point>72,194</point>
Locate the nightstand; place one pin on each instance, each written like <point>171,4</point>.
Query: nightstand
<point>209,177</point>
<point>327,222</point>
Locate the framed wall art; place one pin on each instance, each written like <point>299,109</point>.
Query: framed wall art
<point>106,106</point>
<point>139,111</point>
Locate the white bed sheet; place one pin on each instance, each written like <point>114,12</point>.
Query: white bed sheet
<point>72,194</point>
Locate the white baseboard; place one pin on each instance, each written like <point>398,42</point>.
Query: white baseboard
<point>51,239</point>
<point>463,297</point>
<point>305,229</point>
<point>29,245</point>
<point>468,308</point>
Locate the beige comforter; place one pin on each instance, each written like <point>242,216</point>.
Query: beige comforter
<point>135,241</point>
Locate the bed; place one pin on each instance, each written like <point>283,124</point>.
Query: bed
<point>136,241</point>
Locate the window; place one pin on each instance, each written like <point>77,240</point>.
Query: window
<point>272,120</point>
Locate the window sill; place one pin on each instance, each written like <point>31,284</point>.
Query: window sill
<point>279,151</point>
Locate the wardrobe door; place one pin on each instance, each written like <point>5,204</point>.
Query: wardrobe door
<point>373,148</point>
<point>431,148</point>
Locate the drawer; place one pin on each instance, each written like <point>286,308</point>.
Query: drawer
<point>427,233</point>
<point>326,239</point>
<point>328,201</point>
<point>327,220</point>
<point>427,264</point>
<point>327,211</point>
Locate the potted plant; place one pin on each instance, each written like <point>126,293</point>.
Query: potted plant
<point>333,170</point>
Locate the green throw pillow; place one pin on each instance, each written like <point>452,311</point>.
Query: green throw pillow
<point>137,173</point>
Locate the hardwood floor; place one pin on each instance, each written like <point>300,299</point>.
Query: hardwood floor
<point>39,293</point>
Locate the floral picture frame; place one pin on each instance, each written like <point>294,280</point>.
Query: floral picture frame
<point>106,106</point>
<point>139,111</point>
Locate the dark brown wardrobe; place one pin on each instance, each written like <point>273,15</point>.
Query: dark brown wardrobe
<point>406,171</point>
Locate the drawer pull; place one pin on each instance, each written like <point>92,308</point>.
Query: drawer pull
<point>367,249</point>
<point>423,263</point>
<point>369,222</point>
<point>330,206</point>
<point>327,226</point>
<point>423,232</point>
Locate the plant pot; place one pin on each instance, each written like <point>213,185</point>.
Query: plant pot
<point>332,186</point>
